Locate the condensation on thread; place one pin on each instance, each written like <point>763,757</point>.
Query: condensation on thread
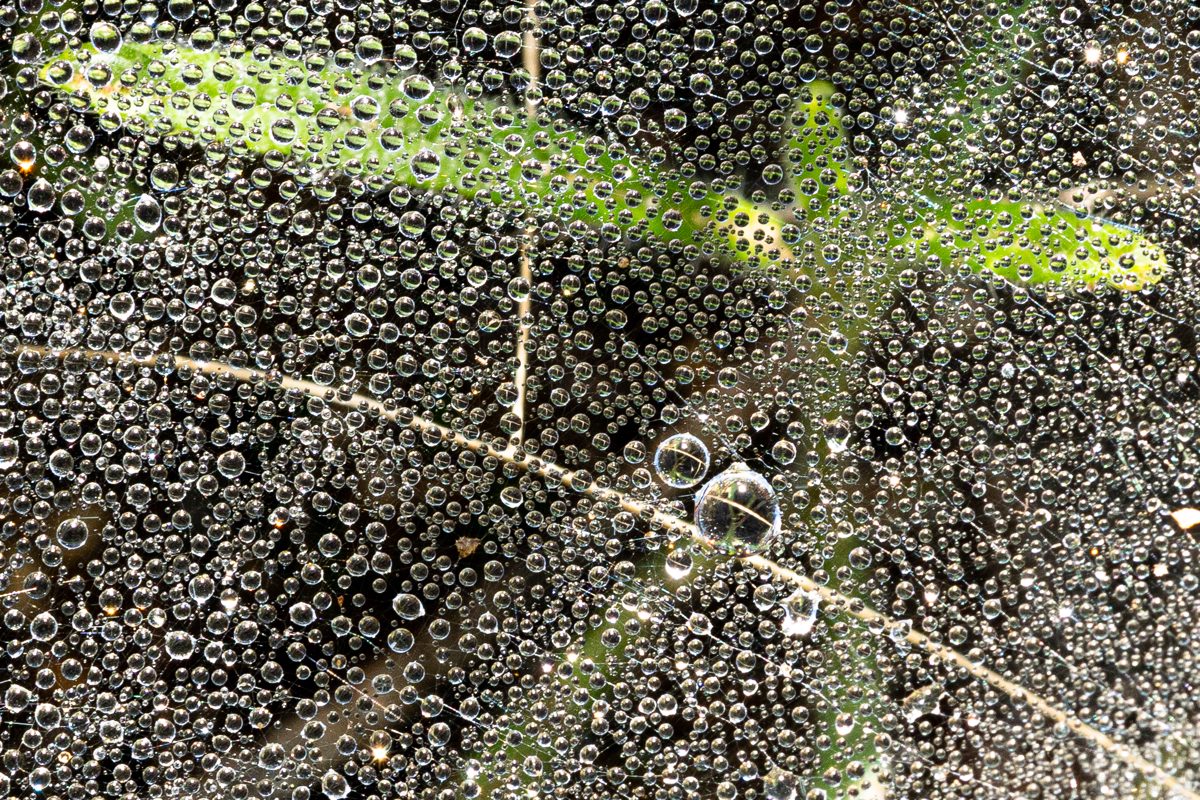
<point>875,620</point>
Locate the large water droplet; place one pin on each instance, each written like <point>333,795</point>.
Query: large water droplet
<point>681,461</point>
<point>147,212</point>
<point>72,533</point>
<point>779,784</point>
<point>334,785</point>
<point>105,37</point>
<point>122,306</point>
<point>231,463</point>
<point>408,606</point>
<point>679,563</point>
<point>180,645</point>
<point>10,451</point>
<point>738,511</point>
<point>800,613</point>
<point>43,627</point>
<point>41,196</point>
<point>26,49</point>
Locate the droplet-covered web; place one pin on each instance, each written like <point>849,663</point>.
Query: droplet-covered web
<point>593,400</point>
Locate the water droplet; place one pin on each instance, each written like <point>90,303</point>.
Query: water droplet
<point>10,452</point>
<point>738,511</point>
<point>408,606</point>
<point>147,212</point>
<point>231,464</point>
<point>425,165</point>
<point>121,306</point>
<point>800,613</point>
<point>334,785</point>
<point>681,461</point>
<point>26,49</point>
<point>180,645</point>
<point>779,784</point>
<point>43,627</point>
<point>72,533</point>
<point>679,563</point>
<point>41,196</point>
<point>507,44</point>
<point>302,614</point>
<point>105,37</point>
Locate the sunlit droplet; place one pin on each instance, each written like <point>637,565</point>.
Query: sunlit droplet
<point>681,461</point>
<point>738,511</point>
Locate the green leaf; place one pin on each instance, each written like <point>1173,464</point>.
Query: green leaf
<point>815,153</point>
<point>329,117</point>
<point>323,116</point>
<point>1031,243</point>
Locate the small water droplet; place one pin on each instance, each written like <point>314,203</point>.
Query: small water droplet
<point>800,613</point>
<point>105,37</point>
<point>231,464</point>
<point>679,563</point>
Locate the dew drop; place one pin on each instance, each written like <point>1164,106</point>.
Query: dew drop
<point>779,784</point>
<point>43,627</point>
<point>681,461</point>
<point>105,37</point>
<point>408,606</point>
<point>738,511</point>
<point>180,645</point>
<point>231,464</point>
<point>72,533</point>
<point>41,196</point>
<point>10,452</point>
<point>223,292</point>
<point>800,613</point>
<point>334,785</point>
<point>147,212</point>
<point>679,563</point>
<point>122,306</point>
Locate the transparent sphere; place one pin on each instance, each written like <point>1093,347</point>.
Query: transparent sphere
<point>272,756</point>
<point>334,785</point>
<point>738,511</point>
<point>43,627</point>
<point>231,464</point>
<point>105,37</point>
<point>302,614</point>
<point>681,461</point>
<point>72,533</point>
<point>679,563</point>
<point>180,645</point>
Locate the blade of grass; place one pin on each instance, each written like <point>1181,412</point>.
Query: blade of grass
<point>360,121</point>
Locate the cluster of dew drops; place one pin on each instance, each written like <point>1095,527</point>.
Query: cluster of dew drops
<point>276,580</point>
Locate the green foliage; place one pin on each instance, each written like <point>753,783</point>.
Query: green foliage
<point>407,131</point>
